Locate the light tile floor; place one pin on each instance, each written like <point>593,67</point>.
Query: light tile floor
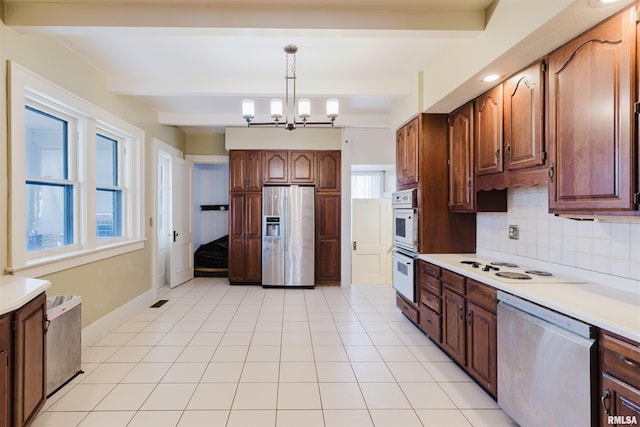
<point>221,355</point>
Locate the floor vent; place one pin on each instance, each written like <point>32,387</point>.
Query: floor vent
<point>160,303</point>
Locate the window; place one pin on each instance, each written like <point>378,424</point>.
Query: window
<point>367,185</point>
<point>76,179</point>
<point>108,190</point>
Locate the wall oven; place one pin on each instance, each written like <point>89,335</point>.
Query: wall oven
<point>405,242</point>
<point>405,220</point>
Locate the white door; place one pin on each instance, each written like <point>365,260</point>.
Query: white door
<point>181,257</point>
<point>371,232</point>
<point>163,219</point>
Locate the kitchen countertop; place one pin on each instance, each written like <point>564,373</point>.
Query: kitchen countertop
<point>609,308</point>
<point>16,291</point>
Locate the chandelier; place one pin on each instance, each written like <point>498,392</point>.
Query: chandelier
<point>304,104</point>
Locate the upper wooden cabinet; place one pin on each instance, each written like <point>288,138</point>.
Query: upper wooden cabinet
<point>591,123</point>
<point>245,171</point>
<point>488,132</point>
<point>407,140</point>
<point>275,167</point>
<point>461,170</point>
<point>303,167</point>
<point>523,108</point>
<point>328,169</point>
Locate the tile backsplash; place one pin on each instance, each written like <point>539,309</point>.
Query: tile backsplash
<point>603,247</point>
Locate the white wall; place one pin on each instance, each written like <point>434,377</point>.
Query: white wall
<point>210,187</point>
<point>371,146</point>
<point>599,247</point>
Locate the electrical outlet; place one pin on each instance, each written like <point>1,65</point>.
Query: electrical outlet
<point>514,232</point>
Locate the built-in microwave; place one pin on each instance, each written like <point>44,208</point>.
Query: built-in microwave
<point>405,220</point>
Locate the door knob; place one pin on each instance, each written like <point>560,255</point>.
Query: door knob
<point>355,246</point>
<point>175,235</point>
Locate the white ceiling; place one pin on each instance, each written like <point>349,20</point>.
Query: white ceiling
<point>193,62</point>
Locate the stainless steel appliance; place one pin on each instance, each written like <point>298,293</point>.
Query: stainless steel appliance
<point>288,230</point>
<point>405,220</point>
<point>546,365</point>
<point>403,274</point>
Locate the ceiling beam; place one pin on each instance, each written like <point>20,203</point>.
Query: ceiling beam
<point>77,13</point>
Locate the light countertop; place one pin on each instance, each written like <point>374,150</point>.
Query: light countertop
<point>16,291</point>
<point>609,308</point>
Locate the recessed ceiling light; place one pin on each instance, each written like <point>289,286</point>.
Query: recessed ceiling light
<point>598,3</point>
<point>491,77</point>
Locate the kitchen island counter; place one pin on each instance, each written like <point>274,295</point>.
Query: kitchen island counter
<point>16,291</point>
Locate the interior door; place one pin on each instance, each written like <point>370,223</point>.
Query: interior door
<point>181,257</point>
<point>371,231</point>
<point>163,219</point>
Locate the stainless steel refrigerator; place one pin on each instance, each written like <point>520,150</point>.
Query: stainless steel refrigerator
<point>288,229</point>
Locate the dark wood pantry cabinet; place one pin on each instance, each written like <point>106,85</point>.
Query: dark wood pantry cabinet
<point>249,171</point>
<point>591,127</point>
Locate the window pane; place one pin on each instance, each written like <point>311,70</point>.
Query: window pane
<point>106,160</point>
<point>46,150</point>
<point>366,185</point>
<point>49,216</point>
<point>108,213</point>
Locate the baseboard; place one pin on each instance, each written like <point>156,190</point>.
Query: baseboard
<point>94,332</point>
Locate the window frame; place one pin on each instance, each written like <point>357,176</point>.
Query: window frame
<point>28,89</point>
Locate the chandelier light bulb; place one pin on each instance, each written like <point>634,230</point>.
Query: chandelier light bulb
<point>248,109</point>
<point>304,108</point>
<point>276,109</point>
<point>333,108</point>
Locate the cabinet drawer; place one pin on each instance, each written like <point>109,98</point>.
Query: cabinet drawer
<point>429,269</point>
<point>409,310</point>
<point>453,281</point>
<point>431,324</point>
<point>621,359</point>
<point>428,282</point>
<point>481,294</point>
<point>432,301</point>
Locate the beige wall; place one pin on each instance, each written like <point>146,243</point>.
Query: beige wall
<point>205,144</point>
<point>104,285</point>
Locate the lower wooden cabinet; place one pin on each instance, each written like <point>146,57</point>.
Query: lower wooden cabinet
<point>23,363</point>
<point>328,216</point>
<point>453,325</point>
<point>619,381</point>
<point>245,238</point>
<point>408,308</point>
<point>482,346</point>
<point>5,372</point>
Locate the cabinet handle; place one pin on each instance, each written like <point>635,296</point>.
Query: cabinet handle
<point>469,183</point>
<point>628,361</point>
<point>469,317</point>
<point>497,154</point>
<point>507,152</point>
<point>606,401</point>
<point>460,310</point>
<point>552,172</point>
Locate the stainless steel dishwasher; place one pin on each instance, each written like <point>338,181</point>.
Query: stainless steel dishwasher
<point>546,365</point>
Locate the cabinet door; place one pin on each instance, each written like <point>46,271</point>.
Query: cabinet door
<point>237,170</point>
<point>328,171</point>
<point>245,171</point>
<point>401,156</point>
<point>461,189</point>
<point>453,325</point>
<point>29,361</point>
<point>254,172</point>
<point>236,262</point>
<point>619,400</point>
<point>303,167</point>
<point>328,238</point>
<point>488,132</point>
<point>524,118</point>
<point>411,147</point>
<point>5,376</point>
<point>482,346</point>
<point>276,164</point>
<point>591,119</point>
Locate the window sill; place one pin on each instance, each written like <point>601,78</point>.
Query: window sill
<point>53,264</point>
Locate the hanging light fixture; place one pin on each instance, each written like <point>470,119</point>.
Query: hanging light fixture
<point>280,109</point>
